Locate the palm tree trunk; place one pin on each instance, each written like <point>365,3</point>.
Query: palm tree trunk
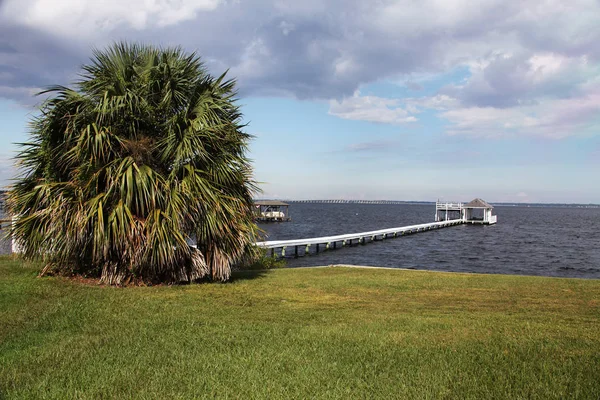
<point>220,265</point>
<point>113,274</point>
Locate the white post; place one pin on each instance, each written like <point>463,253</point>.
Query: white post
<point>16,248</point>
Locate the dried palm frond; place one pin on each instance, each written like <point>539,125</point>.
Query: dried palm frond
<point>145,155</point>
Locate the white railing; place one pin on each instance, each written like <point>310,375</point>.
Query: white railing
<point>450,205</point>
<point>493,219</point>
<point>358,236</point>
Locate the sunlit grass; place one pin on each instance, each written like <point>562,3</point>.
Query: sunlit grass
<point>301,333</point>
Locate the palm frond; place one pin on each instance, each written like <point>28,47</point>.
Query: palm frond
<point>145,155</point>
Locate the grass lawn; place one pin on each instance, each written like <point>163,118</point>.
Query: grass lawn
<point>301,333</point>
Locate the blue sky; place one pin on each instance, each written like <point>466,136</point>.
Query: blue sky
<point>385,100</point>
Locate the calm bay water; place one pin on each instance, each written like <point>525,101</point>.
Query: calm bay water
<point>5,243</point>
<point>549,241</point>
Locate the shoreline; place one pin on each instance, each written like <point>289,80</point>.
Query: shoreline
<point>434,271</point>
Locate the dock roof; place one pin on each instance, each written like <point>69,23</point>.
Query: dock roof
<point>270,203</point>
<point>478,203</point>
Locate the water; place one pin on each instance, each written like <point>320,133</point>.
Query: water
<point>5,243</point>
<point>548,241</point>
<point>545,241</point>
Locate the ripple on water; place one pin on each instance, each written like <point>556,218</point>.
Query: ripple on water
<point>549,241</point>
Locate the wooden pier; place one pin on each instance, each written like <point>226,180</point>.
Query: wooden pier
<point>303,246</point>
<point>446,214</point>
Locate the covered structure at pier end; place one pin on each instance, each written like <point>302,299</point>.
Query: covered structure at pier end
<point>478,211</point>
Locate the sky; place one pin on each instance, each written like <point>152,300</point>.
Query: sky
<point>347,99</point>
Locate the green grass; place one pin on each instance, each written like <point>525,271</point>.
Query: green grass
<point>301,333</point>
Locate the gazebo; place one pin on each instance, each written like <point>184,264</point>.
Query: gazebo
<point>478,211</point>
<point>272,211</point>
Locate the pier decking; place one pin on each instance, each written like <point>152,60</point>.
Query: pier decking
<point>331,242</point>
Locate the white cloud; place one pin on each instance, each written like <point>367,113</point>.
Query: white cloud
<point>523,56</point>
<point>89,18</point>
<point>250,64</point>
<point>542,94</point>
<point>372,146</point>
<point>286,27</point>
<point>344,66</point>
<point>25,96</point>
<point>437,102</point>
<point>505,80</point>
<point>370,108</point>
<point>545,65</point>
<point>550,118</point>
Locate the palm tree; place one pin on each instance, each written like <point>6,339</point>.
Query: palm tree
<point>144,156</point>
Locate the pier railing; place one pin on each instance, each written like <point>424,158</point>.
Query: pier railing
<point>448,206</point>
<point>353,238</point>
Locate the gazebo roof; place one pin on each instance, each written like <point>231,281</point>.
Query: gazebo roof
<point>478,203</point>
<point>270,203</point>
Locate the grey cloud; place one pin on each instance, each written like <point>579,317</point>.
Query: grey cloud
<point>30,61</point>
<point>300,63</point>
<point>6,48</point>
<point>414,86</point>
<point>509,81</point>
<point>572,30</point>
<point>327,50</point>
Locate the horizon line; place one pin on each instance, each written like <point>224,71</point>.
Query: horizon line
<point>418,201</point>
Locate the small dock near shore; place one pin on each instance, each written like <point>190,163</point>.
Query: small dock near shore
<point>272,211</point>
<point>446,214</point>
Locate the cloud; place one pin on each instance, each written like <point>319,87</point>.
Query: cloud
<point>531,64</point>
<point>549,116</point>
<point>30,61</point>
<point>370,108</point>
<point>286,27</point>
<point>415,86</point>
<point>505,80</point>
<point>318,49</point>
<point>26,94</point>
<point>371,147</point>
<point>90,18</point>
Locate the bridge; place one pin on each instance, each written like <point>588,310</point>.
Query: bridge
<point>337,201</point>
